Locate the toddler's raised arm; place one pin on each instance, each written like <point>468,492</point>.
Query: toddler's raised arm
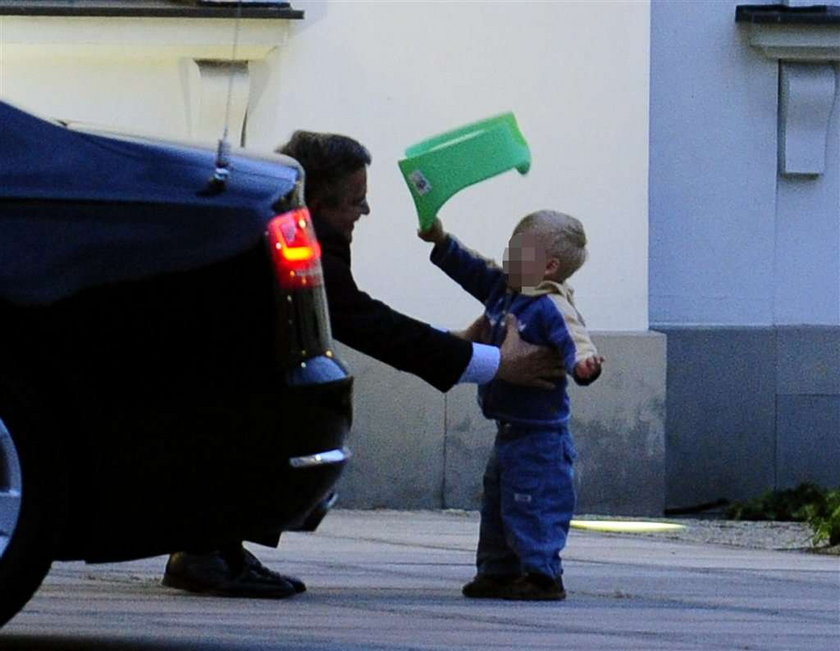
<point>472,271</point>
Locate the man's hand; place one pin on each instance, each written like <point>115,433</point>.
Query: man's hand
<point>434,234</point>
<point>526,364</point>
<point>589,368</point>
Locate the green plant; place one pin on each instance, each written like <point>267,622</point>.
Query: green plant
<point>786,505</point>
<point>824,519</point>
<point>819,507</point>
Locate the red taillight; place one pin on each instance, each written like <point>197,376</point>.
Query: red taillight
<point>295,250</point>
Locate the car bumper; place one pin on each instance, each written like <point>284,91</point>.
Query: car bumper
<point>238,467</point>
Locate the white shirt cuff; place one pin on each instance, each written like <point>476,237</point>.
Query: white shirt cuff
<point>483,365</point>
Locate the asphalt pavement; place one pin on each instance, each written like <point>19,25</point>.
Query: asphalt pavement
<point>392,580</point>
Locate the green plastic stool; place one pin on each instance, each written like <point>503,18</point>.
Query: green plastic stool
<point>437,168</point>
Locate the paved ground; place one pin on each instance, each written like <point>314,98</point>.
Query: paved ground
<point>391,580</point>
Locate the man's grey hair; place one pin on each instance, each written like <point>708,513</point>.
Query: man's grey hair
<point>563,236</point>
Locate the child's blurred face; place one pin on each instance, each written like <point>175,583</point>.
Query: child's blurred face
<point>525,261</point>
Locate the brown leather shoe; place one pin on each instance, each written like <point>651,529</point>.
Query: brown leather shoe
<point>228,574</point>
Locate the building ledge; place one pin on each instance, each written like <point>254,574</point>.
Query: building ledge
<point>800,34</point>
<point>151,9</point>
<point>134,30</point>
<point>786,15</point>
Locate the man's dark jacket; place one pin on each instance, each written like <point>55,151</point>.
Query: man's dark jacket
<point>373,328</point>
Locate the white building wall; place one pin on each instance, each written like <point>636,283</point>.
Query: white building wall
<point>136,74</point>
<point>390,74</point>
<point>574,73</point>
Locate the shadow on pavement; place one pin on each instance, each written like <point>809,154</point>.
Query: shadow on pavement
<point>90,643</point>
<point>76,643</point>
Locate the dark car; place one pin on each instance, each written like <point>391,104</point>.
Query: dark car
<point>167,379</point>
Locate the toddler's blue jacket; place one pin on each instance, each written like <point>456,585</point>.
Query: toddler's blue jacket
<point>547,316</point>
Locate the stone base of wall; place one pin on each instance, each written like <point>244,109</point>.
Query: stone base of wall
<point>751,410</point>
<point>415,448</point>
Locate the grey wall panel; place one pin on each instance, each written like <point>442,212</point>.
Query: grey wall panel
<point>397,439</point>
<point>809,360</point>
<point>416,448</point>
<point>469,440</point>
<point>720,441</point>
<point>724,430</point>
<point>808,441</point>
<point>618,424</point>
<point>751,410</point>
<point>619,428</point>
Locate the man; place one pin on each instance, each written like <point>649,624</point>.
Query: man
<point>336,194</point>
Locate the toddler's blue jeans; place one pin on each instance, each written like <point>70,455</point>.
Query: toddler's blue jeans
<point>528,501</point>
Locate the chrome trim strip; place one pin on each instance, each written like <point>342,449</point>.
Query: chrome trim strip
<point>321,458</point>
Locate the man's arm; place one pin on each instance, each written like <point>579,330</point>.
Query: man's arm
<point>439,358</point>
<point>372,327</point>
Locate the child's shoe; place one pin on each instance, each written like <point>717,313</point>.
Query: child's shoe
<point>536,587</point>
<point>489,586</point>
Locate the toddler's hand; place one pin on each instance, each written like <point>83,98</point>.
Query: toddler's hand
<point>434,233</point>
<point>478,331</point>
<point>589,367</point>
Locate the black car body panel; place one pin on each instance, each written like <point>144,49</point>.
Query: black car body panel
<point>88,207</point>
<point>147,343</point>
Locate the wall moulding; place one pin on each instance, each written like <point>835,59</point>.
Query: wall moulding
<point>805,40</point>
<point>807,93</point>
<point>207,85</point>
<point>38,36</point>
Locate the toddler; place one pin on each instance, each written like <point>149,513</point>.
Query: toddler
<point>529,495</point>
